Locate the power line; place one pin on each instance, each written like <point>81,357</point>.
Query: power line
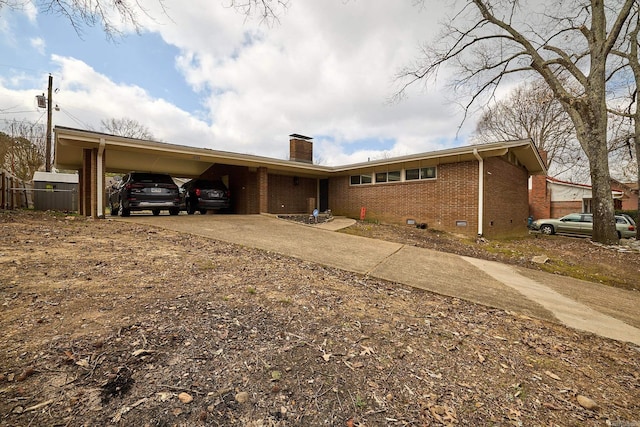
<point>19,120</point>
<point>6,109</point>
<point>75,119</point>
<point>17,112</point>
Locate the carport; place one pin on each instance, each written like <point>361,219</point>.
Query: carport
<point>93,154</point>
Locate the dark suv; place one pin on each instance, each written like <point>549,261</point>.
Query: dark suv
<point>203,195</point>
<point>139,191</point>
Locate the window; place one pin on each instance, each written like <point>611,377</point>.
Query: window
<point>393,176</point>
<point>422,173</point>
<point>361,179</point>
<point>428,173</point>
<point>571,218</point>
<point>586,218</point>
<point>411,174</point>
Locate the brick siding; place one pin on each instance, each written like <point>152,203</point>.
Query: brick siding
<point>560,209</point>
<point>440,202</point>
<point>289,194</point>
<point>506,204</point>
<point>539,198</point>
<point>443,202</point>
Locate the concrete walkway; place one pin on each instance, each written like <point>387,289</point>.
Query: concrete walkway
<point>485,282</point>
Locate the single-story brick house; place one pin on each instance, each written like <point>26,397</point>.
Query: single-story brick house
<point>471,190</point>
<point>553,198</point>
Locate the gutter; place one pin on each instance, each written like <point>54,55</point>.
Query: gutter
<point>480,191</point>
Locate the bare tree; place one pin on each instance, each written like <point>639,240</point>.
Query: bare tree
<point>110,13</point>
<point>129,128</point>
<point>628,53</point>
<point>267,10</point>
<point>22,147</point>
<point>566,43</point>
<point>530,111</point>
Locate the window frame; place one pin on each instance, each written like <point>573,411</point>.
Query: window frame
<point>360,176</point>
<point>394,176</point>
<point>422,173</point>
<point>397,174</point>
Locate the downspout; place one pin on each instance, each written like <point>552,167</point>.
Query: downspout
<point>480,190</point>
<point>100,180</point>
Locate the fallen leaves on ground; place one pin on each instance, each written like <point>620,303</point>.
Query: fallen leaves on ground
<point>112,323</point>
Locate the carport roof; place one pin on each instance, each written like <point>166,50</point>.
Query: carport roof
<point>127,154</point>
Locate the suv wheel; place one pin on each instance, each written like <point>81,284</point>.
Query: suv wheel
<point>174,211</point>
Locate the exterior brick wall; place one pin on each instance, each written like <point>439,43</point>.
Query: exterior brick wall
<point>540,195</point>
<point>506,204</point>
<point>440,202</point>
<point>288,194</point>
<point>539,198</point>
<point>560,209</point>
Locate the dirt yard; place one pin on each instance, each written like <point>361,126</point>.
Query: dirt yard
<point>111,323</point>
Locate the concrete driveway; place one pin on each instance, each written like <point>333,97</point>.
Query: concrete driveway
<point>586,306</point>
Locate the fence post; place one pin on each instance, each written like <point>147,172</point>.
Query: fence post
<point>3,189</point>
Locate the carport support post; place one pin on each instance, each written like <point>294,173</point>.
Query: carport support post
<point>263,190</point>
<point>100,163</point>
<point>85,179</point>
<point>89,182</point>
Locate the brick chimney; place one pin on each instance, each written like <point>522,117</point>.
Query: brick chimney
<point>539,197</point>
<point>300,148</point>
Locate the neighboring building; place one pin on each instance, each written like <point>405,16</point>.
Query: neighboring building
<point>629,191</point>
<point>472,190</point>
<point>55,191</point>
<point>553,198</point>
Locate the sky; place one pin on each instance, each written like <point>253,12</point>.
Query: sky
<point>207,76</point>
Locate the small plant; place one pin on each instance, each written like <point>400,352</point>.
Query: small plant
<point>207,265</point>
<point>360,402</point>
<point>251,290</point>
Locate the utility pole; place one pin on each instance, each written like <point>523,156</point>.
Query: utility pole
<point>47,160</point>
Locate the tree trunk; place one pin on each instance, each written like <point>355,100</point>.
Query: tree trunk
<point>637,143</point>
<point>604,227</point>
<point>590,121</point>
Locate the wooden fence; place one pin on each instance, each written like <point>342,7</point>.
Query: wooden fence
<point>13,192</point>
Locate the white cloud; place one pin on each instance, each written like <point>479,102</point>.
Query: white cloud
<point>326,70</point>
<point>31,11</point>
<point>86,97</point>
<point>38,44</point>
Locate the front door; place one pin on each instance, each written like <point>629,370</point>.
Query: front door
<point>324,195</point>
